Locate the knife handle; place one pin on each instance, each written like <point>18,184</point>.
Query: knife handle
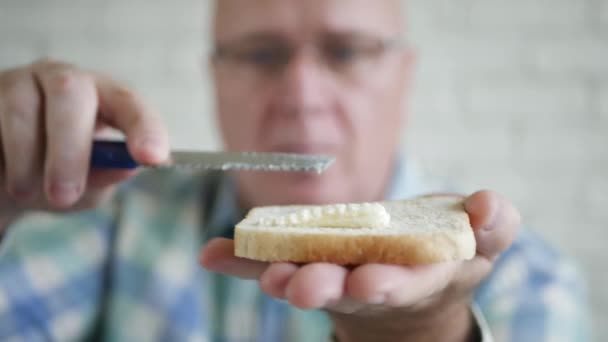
<point>111,155</point>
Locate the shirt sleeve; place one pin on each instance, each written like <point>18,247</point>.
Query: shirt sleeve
<point>535,294</point>
<point>51,275</point>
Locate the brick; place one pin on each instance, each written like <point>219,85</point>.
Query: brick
<point>596,196</point>
<point>603,13</point>
<point>187,111</point>
<point>147,62</point>
<point>205,137</point>
<point>475,56</point>
<point>561,143</point>
<point>603,103</point>
<point>16,54</point>
<point>546,192</point>
<point>544,175</point>
<point>599,300</point>
<point>455,143</point>
<point>527,98</point>
<point>585,56</point>
<point>493,172</point>
<point>426,17</point>
<point>435,98</point>
<point>46,17</point>
<point>75,21</point>
<point>529,17</point>
<point>159,17</point>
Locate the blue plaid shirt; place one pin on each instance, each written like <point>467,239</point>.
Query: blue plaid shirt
<point>129,271</point>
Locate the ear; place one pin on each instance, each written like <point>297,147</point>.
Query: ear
<point>408,65</point>
<point>407,69</point>
<point>208,63</point>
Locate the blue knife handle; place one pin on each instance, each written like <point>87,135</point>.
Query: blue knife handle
<point>111,155</point>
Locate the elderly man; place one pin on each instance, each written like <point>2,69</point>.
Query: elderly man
<point>79,261</point>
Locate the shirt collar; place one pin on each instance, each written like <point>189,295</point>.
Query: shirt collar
<point>223,211</point>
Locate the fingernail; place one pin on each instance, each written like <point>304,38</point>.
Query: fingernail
<point>21,192</point>
<point>65,193</point>
<point>151,143</point>
<point>152,147</point>
<point>377,299</point>
<point>491,223</point>
<point>332,302</point>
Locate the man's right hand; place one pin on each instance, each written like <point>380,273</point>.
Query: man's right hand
<point>49,114</point>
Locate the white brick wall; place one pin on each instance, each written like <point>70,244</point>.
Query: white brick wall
<point>584,59</point>
<point>602,10</point>
<point>520,89</point>
<point>602,101</point>
<point>524,17</point>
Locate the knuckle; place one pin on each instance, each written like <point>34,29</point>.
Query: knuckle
<point>125,94</point>
<point>70,165</point>
<point>21,118</point>
<point>9,77</point>
<point>20,190</point>
<point>20,106</point>
<point>61,81</point>
<point>46,64</point>
<point>21,196</point>
<point>73,83</point>
<point>127,103</point>
<point>18,99</point>
<point>44,61</point>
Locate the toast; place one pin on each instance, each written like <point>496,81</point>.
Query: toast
<point>408,232</point>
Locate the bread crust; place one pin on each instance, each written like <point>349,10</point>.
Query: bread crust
<point>276,244</point>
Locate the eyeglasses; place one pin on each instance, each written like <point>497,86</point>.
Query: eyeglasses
<point>266,57</point>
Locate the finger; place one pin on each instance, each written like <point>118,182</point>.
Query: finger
<point>275,279</point>
<point>22,140</point>
<point>482,208</point>
<point>316,285</point>
<point>99,179</point>
<point>147,136</point>
<point>218,256</point>
<point>398,285</point>
<point>70,114</point>
<point>495,221</point>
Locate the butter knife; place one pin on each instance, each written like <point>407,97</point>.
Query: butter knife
<point>115,155</point>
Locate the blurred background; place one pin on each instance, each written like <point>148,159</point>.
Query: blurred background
<point>508,95</point>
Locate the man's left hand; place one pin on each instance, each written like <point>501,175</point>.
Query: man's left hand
<point>386,302</point>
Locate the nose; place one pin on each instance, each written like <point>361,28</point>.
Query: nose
<point>304,86</point>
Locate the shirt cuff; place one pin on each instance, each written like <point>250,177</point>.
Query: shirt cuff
<point>481,324</point>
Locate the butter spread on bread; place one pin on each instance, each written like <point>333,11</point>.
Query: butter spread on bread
<point>355,215</point>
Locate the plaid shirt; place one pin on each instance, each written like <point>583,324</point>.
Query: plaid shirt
<point>129,272</point>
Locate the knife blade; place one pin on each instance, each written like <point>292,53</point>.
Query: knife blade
<point>115,155</point>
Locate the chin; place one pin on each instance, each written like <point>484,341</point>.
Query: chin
<point>287,189</point>
<point>301,193</point>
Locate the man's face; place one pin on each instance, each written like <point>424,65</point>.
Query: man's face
<point>323,77</point>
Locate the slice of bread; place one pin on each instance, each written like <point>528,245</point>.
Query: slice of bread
<point>421,231</point>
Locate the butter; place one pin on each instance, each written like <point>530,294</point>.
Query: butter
<point>364,215</point>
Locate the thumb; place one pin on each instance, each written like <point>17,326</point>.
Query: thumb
<point>218,256</point>
<point>495,222</point>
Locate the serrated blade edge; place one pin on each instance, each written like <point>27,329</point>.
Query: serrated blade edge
<point>249,161</point>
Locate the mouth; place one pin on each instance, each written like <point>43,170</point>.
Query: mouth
<point>305,148</point>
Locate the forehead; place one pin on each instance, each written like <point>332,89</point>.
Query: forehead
<point>304,18</point>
